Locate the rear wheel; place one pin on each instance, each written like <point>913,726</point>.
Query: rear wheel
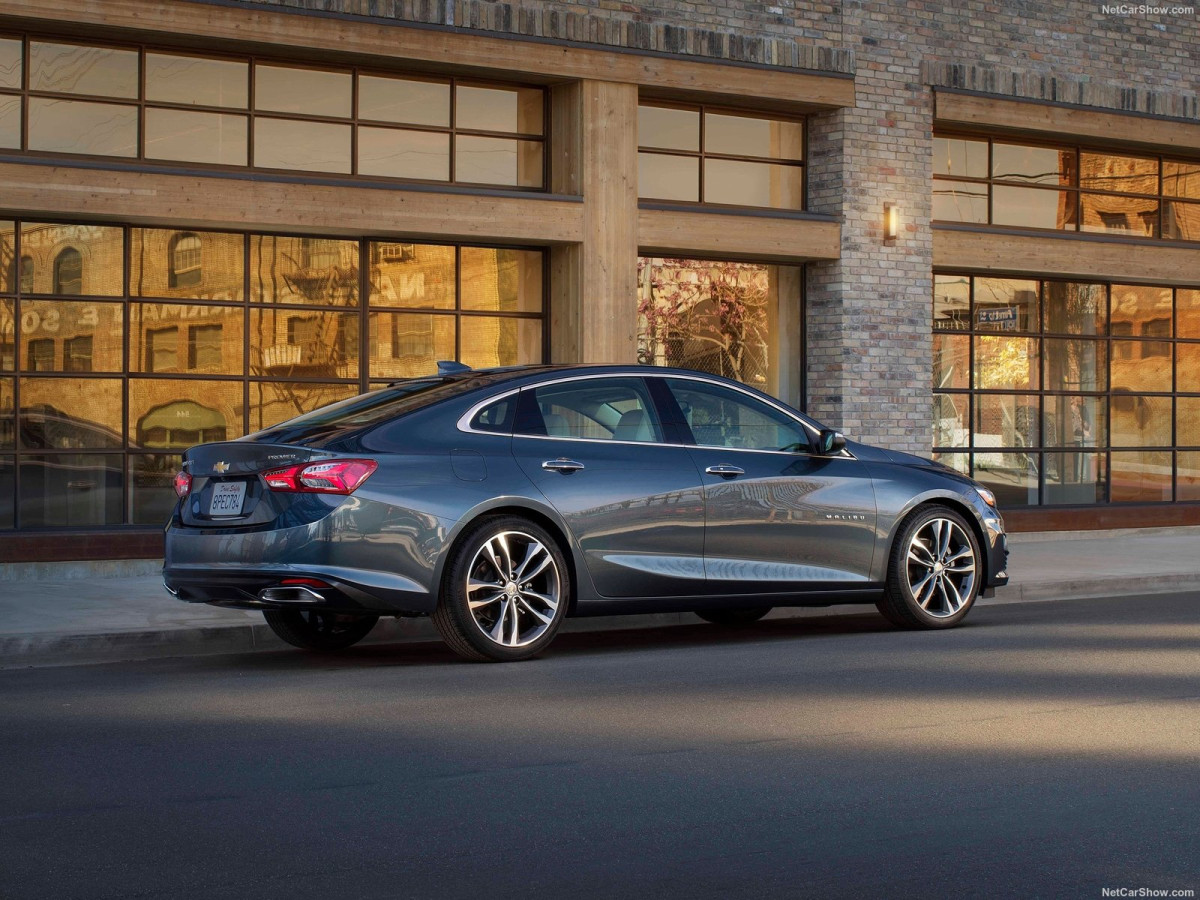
<point>933,575</point>
<point>505,593</point>
<point>314,629</point>
<point>733,618</point>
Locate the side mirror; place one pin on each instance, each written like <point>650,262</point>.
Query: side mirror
<point>830,442</point>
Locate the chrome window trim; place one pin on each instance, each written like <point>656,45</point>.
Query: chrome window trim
<point>464,420</point>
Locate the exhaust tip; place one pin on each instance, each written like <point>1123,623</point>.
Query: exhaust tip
<point>290,594</point>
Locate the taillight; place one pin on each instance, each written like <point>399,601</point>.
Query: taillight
<point>183,483</point>
<point>341,476</point>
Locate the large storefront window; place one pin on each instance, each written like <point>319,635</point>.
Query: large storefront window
<point>149,340</point>
<point>1064,188</point>
<point>717,316</point>
<point>161,106</point>
<point>1063,393</point>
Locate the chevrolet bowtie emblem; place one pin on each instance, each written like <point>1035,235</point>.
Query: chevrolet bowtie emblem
<point>221,468</point>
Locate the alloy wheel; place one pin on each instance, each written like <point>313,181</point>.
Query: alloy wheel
<point>513,588</point>
<point>941,567</point>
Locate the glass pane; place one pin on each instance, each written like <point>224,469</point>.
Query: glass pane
<point>9,263</point>
<point>71,489</point>
<point>960,201</point>
<point>1075,365</point>
<point>1006,363</point>
<point>72,337</point>
<point>68,69</point>
<point>8,430</point>
<point>73,126</point>
<point>403,345</point>
<point>1187,313</point>
<point>951,360</point>
<point>1181,179</point>
<point>191,79</point>
<point>1032,165</point>
<point>309,92</point>
<point>960,157</point>
<point>303,270</point>
<point>1181,221</point>
<point>8,491</point>
<point>501,280</point>
<point>1012,476</point>
<point>603,409</point>
<point>1006,304</point>
<point>167,337</point>
<point>1006,420</point>
<point>720,417</point>
<point>959,462</point>
<point>71,414</point>
<point>10,63</point>
<point>296,343</point>
<point>1187,368</point>
<point>10,121</point>
<point>1187,422</point>
<point>951,420</point>
<point>404,100</point>
<point>712,316</point>
<point>1141,366</point>
<point>272,402</point>
<point>481,160</point>
<point>152,487</point>
<point>662,177</point>
<point>1074,479</point>
<point>196,137</point>
<point>511,110</point>
<point>1128,174</point>
<point>174,414</point>
<point>1141,477</point>
<point>199,265</point>
<point>8,345</point>
<point>417,276</point>
<point>75,259</point>
<point>497,341</point>
<point>1033,208</point>
<point>394,153</point>
<point>1073,308</point>
<point>1074,421</point>
<point>1187,476</point>
<point>1133,216</point>
<point>1139,421</point>
<point>303,146</point>
<point>737,135</point>
<point>753,184</point>
<point>668,129</point>
<point>951,302</point>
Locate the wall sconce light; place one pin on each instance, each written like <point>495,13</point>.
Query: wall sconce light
<point>891,221</point>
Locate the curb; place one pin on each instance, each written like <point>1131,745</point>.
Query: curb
<point>59,649</point>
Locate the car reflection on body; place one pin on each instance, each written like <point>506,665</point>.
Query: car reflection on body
<point>500,501</point>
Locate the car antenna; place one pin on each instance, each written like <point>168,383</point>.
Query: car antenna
<point>450,367</point>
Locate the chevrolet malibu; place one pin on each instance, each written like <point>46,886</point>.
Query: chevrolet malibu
<point>498,502</point>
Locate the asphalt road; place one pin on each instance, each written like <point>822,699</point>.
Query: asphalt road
<point>1042,750</point>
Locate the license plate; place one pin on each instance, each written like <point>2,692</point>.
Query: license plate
<point>227,497</point>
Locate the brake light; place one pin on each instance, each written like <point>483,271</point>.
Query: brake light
<point>183,484</point>
<point>342,476</point>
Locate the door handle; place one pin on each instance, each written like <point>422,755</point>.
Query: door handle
<point>725,471</point>
<point>562,464</point>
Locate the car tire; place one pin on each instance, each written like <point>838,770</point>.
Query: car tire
<point>934,571</point>
<point>314,629</point>
<point>505,592</point>
<point>733,618</point>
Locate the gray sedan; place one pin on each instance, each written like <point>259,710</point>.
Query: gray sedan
<point>500,501</point>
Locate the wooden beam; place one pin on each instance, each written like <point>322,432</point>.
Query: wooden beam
<point>1137,263</point>
<point>763,238</point>
<point>1035,118</point>
<point>202,201</point>
<point>437,49</point>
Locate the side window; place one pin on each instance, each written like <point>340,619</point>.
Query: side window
<point>598,409</point>
<point>496,417</point>
<point>720,417</point>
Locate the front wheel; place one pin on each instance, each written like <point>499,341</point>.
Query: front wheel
<point>733,618</point>
<point>933,574</point>
<point>505,593</point>
<point>313,629</point>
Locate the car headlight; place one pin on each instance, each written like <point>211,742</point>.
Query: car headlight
<point>988,497</point>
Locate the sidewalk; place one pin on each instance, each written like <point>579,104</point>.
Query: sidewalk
<point>131,616</point>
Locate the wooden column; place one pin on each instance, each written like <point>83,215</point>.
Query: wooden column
<point>594,282</point>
